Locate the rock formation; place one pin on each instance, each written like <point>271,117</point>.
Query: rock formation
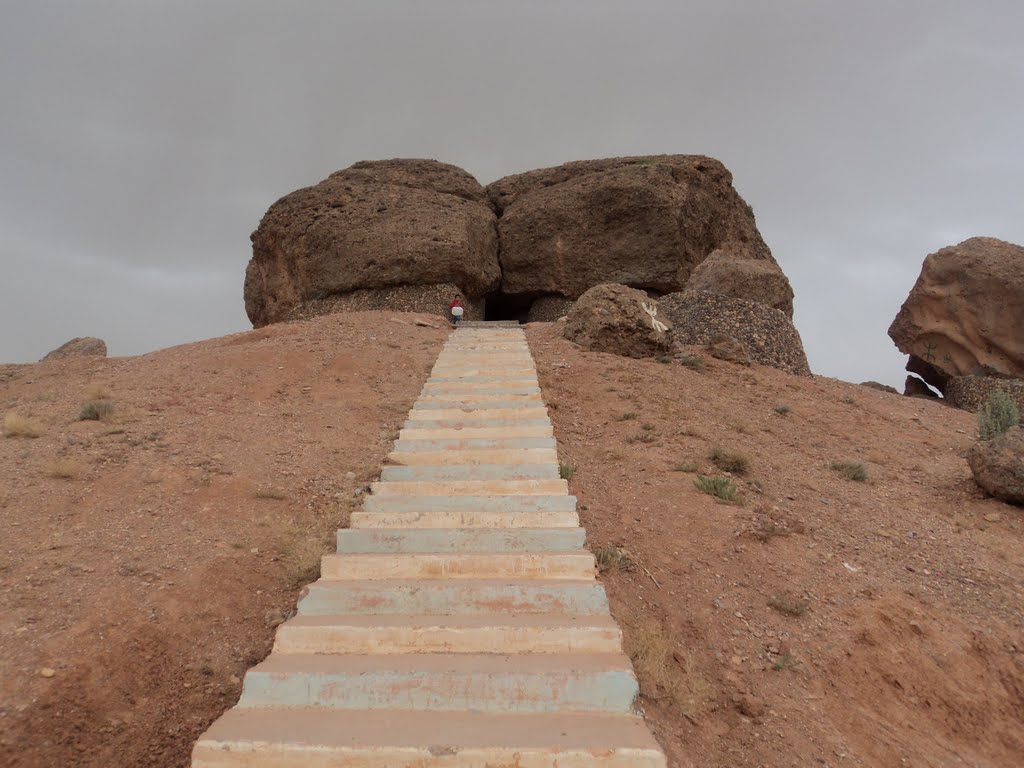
<point>646,222</point>
<point>998,465</point>
<point>964,316</point>
<point>85,346</point>
<point>731,274</point>
<point>376,226</point>
<point>620,320</point>
<point>880,387</point>
<point>702,318</point>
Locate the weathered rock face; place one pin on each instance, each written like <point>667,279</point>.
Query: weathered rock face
<point>646,222</point>
<point>375,225</point>
<point>915,387</point>
<point>880,387</point>
<point>701,318</point>
<point>85,346</point>
<point>730,349</point>
<point>732,274</point>
<point>998,465</point>
<point>970,392</point>
<point>965,314</point>
<point>620,320</point>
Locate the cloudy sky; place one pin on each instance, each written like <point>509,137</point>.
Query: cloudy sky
<point>141,142</point>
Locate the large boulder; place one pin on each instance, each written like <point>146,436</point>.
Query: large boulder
<point>703,318</point>
<point>965,314</point>
<point>645,222</point>
<point>374,226</point>
<point>998,465</point>
<point>83,346</point>
<point>620,320</point>
<point>731,274</point>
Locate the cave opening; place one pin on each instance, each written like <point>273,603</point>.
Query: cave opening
<point>501,306</point>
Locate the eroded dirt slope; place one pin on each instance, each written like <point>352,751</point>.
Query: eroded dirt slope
<point>896,637</point>
<point>136,591</point>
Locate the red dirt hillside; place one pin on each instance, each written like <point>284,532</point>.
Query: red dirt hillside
<point>146,558</point>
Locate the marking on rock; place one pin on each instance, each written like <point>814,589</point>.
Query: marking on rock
<point>652,310</point>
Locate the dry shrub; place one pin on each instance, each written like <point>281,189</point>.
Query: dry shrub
<point>66,469</point>
<point>21,426</point>
<point>270,493</point>
<point>666,673</point>
<point>729,461</point>
<point>95,410</point>
<point>97,391</point>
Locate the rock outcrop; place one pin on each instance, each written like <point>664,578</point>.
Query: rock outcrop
<point>702,318</point>
<point>734,275</point>
<point>998,465</point>
<point>965,314</point>
<point>645,222</point>
<point>619,320</point>
<point>373,226</point>
<point>85,346</point>
<point>970,392</point>
<point>880,387</point>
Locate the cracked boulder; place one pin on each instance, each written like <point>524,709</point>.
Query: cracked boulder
<point>645,222</point>
<point>964,316</point>
<point>619,320</point>
<point>386,234</point>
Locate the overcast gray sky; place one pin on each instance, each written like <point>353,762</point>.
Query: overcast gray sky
<point>141,142</point>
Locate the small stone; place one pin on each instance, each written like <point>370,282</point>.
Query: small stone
<point>47,672</point>
<point>993,517</point>
<point>751,706</point>
<point>736,661</point>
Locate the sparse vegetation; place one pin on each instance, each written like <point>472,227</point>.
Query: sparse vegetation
<point>851,470</point>
<point>643,437</point>
<point>693,362</point>
<point>647,426</point>
<point>684,466</point>
<point>785,661</point>
<point>664,359</point>
<point>268,492</point>
<point>782,410</point>
<point>96,410</point>
<point>790,606</point>
<point>96,391</point>
<point>21,426</point>
<point>721,488</point>
<point>66,469</point>
<point>630,416</point>
<point>665,672</point>
<point>997,414</point>
<point>613,558</point>
<point>729,461</point>
<point>566,470</point>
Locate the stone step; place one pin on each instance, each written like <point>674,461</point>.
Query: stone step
<point>420,421</point>
<point>474,400</point>
<point>469,407</point>
<point>445,390</point>
<point>463,540</point>
<point>445,682</point>
<point>478,413</point>
<point>471,488</point>
<point>457,565</point>
<point>471,458</point>
<point>497,633</point>
<point>420,445</point>
<point>494,359</point>
<point>315,738</point>
<point>490,504</point>
<point>453,597</point>
<point>470,472</point>
<point>510,378</point>
<point>467,433</point>
<point>454,518</point>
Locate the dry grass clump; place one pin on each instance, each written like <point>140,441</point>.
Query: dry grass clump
<point>721,488</point>
<point>566,470</point>
<point>729,461</point>
<point>851,470</point>
<point>96,410</point>
<point>613,558</point>
<point>666,673</point>
<point>96,391</point>
<point>21,426</point>
<point>66,469</point>
<point>997,414</point>
<point>790,606</point>
<point>268,492</point>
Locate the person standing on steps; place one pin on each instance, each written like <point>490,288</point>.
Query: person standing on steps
<point>456,310</point>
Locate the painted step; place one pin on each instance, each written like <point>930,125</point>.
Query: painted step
<point>479,406</point>
<point>470,472</point>
<point>472,488</point>
<point>476,413</point>
<point>473,400</point>
<point>453,518</point>
<point>453,597</point>
<point>492,359</point>
<point>286,738</point>
<point>465,433</point>
<point>498,633</point>
<point>582,682</point>
<point>418,422</point>
<point>444,390</point>
<point>471,458</point>
<point>457,565</point>
<point>497,379</point>
<point>489,504</point>
<point>420,445</point>
<point>463,540</point>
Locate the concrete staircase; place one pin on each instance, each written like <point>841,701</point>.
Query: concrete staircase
<point>460,622</point>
